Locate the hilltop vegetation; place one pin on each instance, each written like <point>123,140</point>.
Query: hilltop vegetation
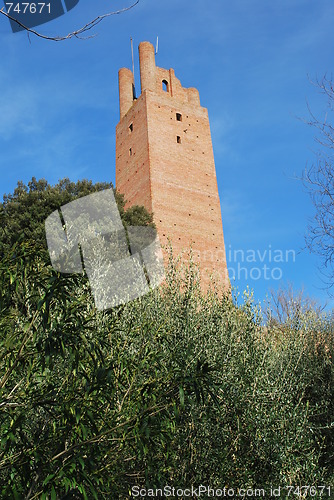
<point>23,213</point>
<point>174,388</point>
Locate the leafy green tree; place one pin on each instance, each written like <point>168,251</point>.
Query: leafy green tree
<point>173,388</point>
<point>23,213</point>
<point>176,387</point>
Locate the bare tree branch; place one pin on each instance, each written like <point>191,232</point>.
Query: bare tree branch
<point>319,181</point>
<point>74,34</point>
<point>289,308</point>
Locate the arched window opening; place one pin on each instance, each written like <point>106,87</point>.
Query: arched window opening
<point>179,117</point>
<point>165,86</point>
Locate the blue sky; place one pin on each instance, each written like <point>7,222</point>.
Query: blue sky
<point>252,63</point>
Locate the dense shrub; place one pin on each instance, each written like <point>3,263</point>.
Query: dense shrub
<point>175,388</point>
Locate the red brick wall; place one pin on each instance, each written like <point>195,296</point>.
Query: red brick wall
<point>175,180</point>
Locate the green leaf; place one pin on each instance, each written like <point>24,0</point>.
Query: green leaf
<point>48,478</point>
<point>181,393</point>
<point>53,494</point>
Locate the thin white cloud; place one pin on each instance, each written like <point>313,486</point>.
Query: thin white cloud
<point>18,111</point>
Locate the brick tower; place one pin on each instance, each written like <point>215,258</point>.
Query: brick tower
<point>164,161</point>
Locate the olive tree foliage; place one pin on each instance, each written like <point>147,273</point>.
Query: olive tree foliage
<point>177,387</point>
<point>319,181</point>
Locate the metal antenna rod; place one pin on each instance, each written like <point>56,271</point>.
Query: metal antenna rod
<point>157,46</point>
<point>133,64</point>
<point>133,69</point>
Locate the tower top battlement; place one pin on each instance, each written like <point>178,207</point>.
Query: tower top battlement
<point>153,79</point>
